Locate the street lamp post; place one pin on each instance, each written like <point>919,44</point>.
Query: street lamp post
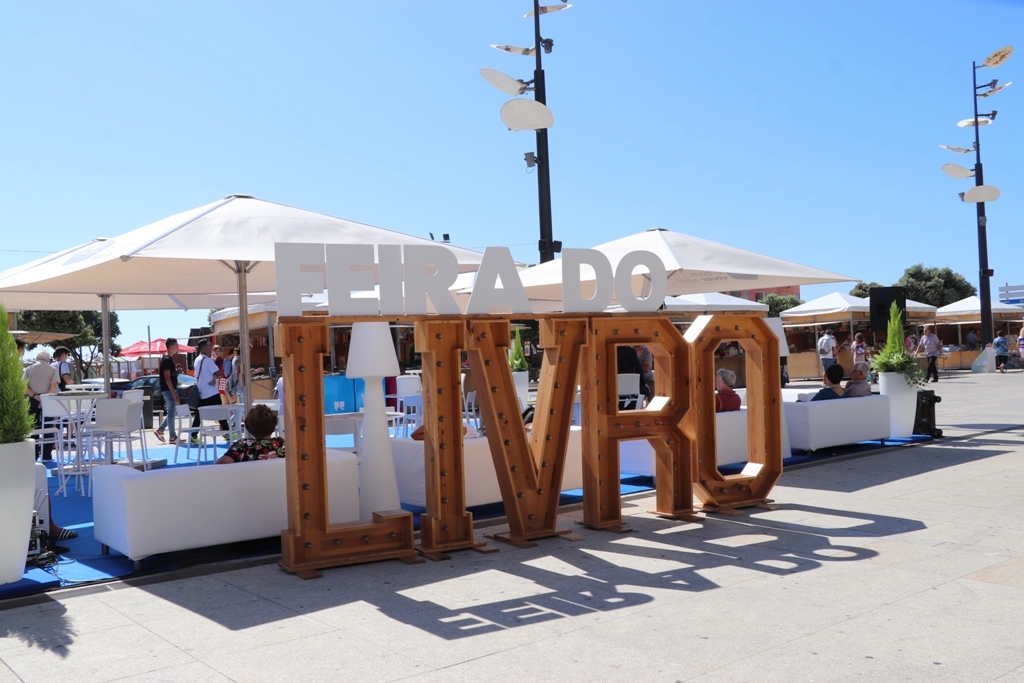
<point>981,192</point>
<point>546,244</point>
<point>518,116</point>
<point>984,272</point>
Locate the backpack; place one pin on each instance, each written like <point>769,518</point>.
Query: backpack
<point>824,348</point>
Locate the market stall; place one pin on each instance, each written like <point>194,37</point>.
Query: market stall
<point>968,312</point>
<point>846,315</point>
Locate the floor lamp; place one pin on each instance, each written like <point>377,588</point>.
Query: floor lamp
<point>371,357</point>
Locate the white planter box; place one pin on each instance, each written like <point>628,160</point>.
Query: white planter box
<point>902,403</point>
<point>17,493</point>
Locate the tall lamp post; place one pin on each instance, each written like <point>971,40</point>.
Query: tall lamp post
<point>520,116</point>
<point>981,193</point>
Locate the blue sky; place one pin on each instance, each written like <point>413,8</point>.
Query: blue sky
<point>803,130</point>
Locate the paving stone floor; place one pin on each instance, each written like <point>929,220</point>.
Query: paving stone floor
<point>903,565</point>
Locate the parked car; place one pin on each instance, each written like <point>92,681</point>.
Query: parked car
<point>117,386</point>
<point>152,382</point>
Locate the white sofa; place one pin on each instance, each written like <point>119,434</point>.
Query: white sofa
<point>637,457</point>
<point>846,421</point>
<point>821,424</point>
<point>481,479</point>
<point>144,513</point>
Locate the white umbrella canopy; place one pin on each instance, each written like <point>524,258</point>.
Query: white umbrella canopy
<point>196,251</point>
<point>84,301</point>
<point>969,311</point>
<point>694,266</point>
<point>220,248</point>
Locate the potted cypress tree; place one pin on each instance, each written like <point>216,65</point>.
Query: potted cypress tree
<point>17,460</point>
<point>520,370</point>
<point>899,377</point>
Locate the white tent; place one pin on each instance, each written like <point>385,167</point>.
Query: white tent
<point>221,248</point>
<point>694,266</point>
<point>839,307</point>
<point>711,302</point>
<point>969,311</point>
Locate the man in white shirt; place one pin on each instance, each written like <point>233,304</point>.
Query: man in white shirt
<point>207,374</point>
<point>42,379</point>
<point>827,349</point>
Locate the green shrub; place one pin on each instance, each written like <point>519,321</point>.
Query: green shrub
<point>15,421</point>
<point>517,361</point>
<point>894,356</point>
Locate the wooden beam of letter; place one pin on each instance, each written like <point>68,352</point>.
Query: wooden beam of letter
<point>310,542</point>
<point>529,467</point>
<point>604,425</point>
<point>445,525</point>
<point>764,411</point>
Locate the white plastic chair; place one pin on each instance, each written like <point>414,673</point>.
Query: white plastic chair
<point>117,420</point>
<point>52,431</point>
<point>185,431</point>
<point>470,409</point>
<point>629,391</point>
<point>412,412</point>
<point>208,433</point>
<point>405,385</point>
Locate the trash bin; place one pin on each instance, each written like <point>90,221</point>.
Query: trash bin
<point>147,407</point>
<point>924,420</point>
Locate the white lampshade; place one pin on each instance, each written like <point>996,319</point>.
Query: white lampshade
<point>371,352</point>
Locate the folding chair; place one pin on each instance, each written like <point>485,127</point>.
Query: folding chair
<point>629,391</point>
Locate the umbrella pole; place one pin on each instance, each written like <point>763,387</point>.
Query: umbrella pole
<point>105,331</point>
<point>242,271</point>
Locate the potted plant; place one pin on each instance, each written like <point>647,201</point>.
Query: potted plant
<point>17,460</point>
<point>899,376</point>
<point>520,371</point>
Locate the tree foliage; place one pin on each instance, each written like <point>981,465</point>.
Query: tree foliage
<point>777,303</point>
<point>87,326</point>
<point>517,361</point>
<point>935,286</point>
<point>15,421</point>
<point>863,289</point>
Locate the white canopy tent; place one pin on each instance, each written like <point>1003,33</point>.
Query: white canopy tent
<point>226,247</point>
<point>712,302</point>
<point>969,311</point>
<point>838,307</point>
<point>701,304</point>
<point>694,266</point>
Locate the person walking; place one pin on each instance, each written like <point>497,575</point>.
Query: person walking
<point>827,349</point>
<point>207,373</point>
<point>169,390</point>
<point>933,350</point>
<point>1002,350</point>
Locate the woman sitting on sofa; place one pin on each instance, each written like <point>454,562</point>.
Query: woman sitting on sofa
<point>260,423</point>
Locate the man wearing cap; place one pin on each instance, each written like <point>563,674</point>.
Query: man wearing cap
<point>42,379</point>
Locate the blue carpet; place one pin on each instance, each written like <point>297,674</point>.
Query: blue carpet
<point>86,564</point>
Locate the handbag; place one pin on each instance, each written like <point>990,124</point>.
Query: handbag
<point>193,392</point>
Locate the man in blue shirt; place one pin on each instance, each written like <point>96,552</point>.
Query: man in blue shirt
<point>1002,350</point>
